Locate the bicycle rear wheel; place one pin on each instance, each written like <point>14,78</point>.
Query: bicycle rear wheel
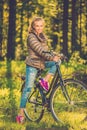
<point>34,110</point>
<point>75,109</point>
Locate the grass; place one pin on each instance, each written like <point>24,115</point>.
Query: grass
<point>46,123</point>
<point>10,98</point>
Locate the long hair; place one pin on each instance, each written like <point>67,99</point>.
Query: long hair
<point>31,27</point>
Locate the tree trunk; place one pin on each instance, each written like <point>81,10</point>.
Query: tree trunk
<point>11,30</point>
<point>1,25</point>
<point>65,28</point>
<point>74,30</point>
<point>86,29</point>
<point>80,27</point>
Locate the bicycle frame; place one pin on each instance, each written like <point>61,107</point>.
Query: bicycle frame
<point>58,80</point>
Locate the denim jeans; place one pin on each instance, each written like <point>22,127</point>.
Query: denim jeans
<point>31,73</point>
<point>51,66</point>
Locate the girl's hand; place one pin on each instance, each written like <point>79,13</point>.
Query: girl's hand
<point>56,58</point>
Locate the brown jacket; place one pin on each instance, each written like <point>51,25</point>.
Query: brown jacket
<point>36,46</point>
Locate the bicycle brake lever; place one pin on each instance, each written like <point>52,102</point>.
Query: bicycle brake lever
<point>63,57</point>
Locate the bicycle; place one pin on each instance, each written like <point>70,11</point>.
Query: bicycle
<point>64,96</point>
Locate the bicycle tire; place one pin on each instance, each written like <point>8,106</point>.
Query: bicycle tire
<point>63,110</point>
<point>34,110</point>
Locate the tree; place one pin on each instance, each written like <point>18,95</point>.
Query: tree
<point>86,28</point>
<point>74,27</point>
<point>11,30</point>
<point>1,26</point>
<point>65,27</point>
<point>80,26</point>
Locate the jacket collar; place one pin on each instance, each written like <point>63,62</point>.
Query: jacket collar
<point>41,37</point>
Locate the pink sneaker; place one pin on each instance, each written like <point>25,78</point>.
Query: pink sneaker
<point>44,84</point>
<point>20,119</point>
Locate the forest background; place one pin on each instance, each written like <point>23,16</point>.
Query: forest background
<point>66,29</point>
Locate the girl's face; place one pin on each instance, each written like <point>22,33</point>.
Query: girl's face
<point>38,26</point>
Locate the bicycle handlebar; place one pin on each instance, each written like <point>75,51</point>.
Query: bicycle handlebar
<point>61,55</point>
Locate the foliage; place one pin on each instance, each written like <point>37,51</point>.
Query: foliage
<point>53,13</point>
<point>76,60</point>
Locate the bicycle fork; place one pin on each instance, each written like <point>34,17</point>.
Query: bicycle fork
<point>62,84</point>
<point>65,93</point>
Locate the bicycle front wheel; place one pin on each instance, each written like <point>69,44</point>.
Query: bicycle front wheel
<point>34,110</point>
<point>73,109</point>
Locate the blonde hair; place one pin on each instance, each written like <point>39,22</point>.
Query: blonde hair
<point>31,27</point>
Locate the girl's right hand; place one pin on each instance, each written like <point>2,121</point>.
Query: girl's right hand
<point>56,58</point>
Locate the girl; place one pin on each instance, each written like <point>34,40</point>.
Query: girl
<point>36,59</point>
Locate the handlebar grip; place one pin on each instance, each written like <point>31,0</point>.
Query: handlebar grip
<point>46,52</point>
<point>49,52</point>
